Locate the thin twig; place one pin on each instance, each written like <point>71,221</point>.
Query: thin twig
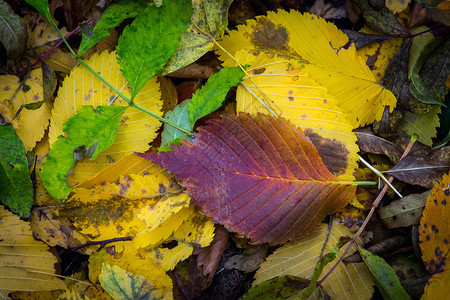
<point>102,243</point>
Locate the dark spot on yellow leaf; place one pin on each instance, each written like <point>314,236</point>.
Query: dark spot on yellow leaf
<point>7,88</point>
<point>25,88</point>
<point>258,71</point>
<point>35,98</point>
<point>325,101</point>
<point>435,229</point>
<point>124,188</point>
<point>268,35</point>
<point>438,252</point>
<point>144,191</point>
<point>428,237</point>
<point>445,241</point>
<point>444,202</point>
<point>162,188</point>
<point>291,98</point>
<point>88,97</point>
<point>290,92</point>
<point>333,153</point>
<point>295,78</point>
<point>447,192</point>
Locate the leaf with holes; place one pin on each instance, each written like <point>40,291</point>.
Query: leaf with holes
<point>259,176</point>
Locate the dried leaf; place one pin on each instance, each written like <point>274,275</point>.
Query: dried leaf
<point>264,175</point>
<point>304,102</point>
<point>422,170</point>
<point>435,226</point>
<point>281,287</point>
<point>17,188</point>
<point>248,261</point>
<point>13,33</point>
<point>396,76</point>
<point>403,212</point>
<point>210,257</point>
<point>25,264</point>
<point>305,37</point>
<point>361,39</point>
<point>372,143</point>
<point>299,258</point>
<point>189,278</point>
<point>136,130</point>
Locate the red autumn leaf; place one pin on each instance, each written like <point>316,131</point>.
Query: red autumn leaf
<point>259,176</point>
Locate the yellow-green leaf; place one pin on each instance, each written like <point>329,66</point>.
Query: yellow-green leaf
<point>136,129</point>
<point>320,45</point>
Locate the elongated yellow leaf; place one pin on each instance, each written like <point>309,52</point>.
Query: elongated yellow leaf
<point>352,281</point>
<point>25,264</point>
<point>306,103</point>
<point>136,130</point>
<point>307,38</point>
<point>32,123</point>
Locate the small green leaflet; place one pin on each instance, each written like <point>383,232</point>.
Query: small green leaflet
<point>145,46</point>
<point>41,6</point>
<point>90,132</point>
<point>281,287</point>
<point>179,116</point>
<point>16,188</point>
<point>422,125</point>
<point>120,284</point>
<point>211,95</point>
<point>111,17</point>
<point>384,276</point>
<point>209,20</point>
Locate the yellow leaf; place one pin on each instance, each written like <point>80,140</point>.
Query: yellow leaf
<point>435,227</point>
<point>438,287</point>
<point>121,284</point>
<point>136,130</point>
<point>309,38</point>
<point>25,264</point>
<point>305,103</point>
<point>397,6</point>
<point>352,281</point>
<point>41,196</point>
<point>33,123</point>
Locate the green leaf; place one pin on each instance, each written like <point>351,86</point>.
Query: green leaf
<point>41,6</point>
<point>281,287</point>
<point>120,284</point>
<point>90,132</point>
<point>146,45</point>
<point>13,31</point>
<point>211,95</point>
<point>111,17</point>
<point>422,125</point>
<point>384,276</point>
<point>16,187</point>
<point>178,116</point>
<point>210,19</point>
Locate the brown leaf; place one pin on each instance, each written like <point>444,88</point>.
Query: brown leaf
<point>210,257</point>
<point>249,260</point>
<point>369,142</point>
<point>259,176</point>
<point>423,171</point>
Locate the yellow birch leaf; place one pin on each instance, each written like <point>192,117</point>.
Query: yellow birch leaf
<point>136,130</point>
<point>435,227</point>
<point>305,103</point>
<point>41,196</point>
<point>305,37</point>
<point>25,264</point>
<point>397,6</point>
<point>438,287</point>
<point>379,54</point>
<point>33,123</point>
<point>351,281</point>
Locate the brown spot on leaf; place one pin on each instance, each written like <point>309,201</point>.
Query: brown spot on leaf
<point>325,101</point>
<point>435,229</point>
<point>35,98</point>
<point>88,97</point>
<point>162,188</point>
<point>291,98</point>
<point>258,71</point>
<point>6,88</point>
<point>144,191</point>
<point>333,153</point>
<point>268,35</point>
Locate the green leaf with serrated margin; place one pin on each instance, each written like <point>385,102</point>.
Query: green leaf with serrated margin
<point>422,125</point>
<point>90,132</point>
<point>384,276</point>
<point>111,17</point>
<point>41,6</point>
<point>178,116</point>
<point>146,45</point>
<point>16,187</point>
<point>211,95</point>
<point>211,18</point>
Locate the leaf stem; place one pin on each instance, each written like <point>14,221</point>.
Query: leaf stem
<point>130,102</point>
<point>369,216</point>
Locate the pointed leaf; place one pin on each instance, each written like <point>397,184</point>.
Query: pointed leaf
<point>258,176</point>
<point>396,76</point>
<point>111,17</point>
<point>178,116</point>
<point>422,125</point>
<point>13,32</point>
<point>384,276</point>
<point>150,40</point>
<point>303,37</point>
<point>361,39</point>
<point>372,143</point>
<point>136,130</point>
<point>17,188</point>
<point>212,94</point>
<point>90,132</point>
<point>434,228</point>
<point>210,19</point>
<point>41,6</point>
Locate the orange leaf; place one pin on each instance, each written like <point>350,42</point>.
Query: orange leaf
<point>259,176</point>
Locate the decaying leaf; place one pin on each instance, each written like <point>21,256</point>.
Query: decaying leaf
<point>31,124</point>
<point>259,176</point>
<point>281,287</point>
<point>304,37</point>
<point>372,143</point>
<point>13,33</point>
<point>299,259</point>
<point>209,257</point>
<point>25,264</point>
<point>304,102</point>
<point>435,226</point>
<point>81,88</point>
